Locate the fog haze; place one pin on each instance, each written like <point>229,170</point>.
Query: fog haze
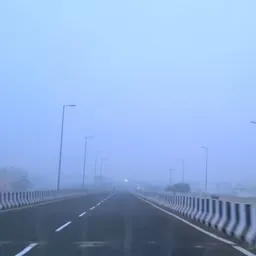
<point>153,81</point>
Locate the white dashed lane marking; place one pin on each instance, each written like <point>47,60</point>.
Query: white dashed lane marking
<point>32,245</point>
<point>63,226</point>
<point>27,249</point>
<point>100,202</point>
<point>82,214</point>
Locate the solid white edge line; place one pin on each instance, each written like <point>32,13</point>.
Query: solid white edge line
<point>82,214</point>
<point>242,250</point>
<point>27,249</point>
<point>189,223</point>
<point>63,226</point>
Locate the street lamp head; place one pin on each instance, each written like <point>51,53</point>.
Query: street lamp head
<point>69,105</point>
<point>253,122</point>
<point>89,137</point>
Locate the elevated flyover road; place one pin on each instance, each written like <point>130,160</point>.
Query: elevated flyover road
<point>119,224</point>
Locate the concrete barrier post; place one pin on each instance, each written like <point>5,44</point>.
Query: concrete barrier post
<point>9,203</point>
<point>217,216</point>
<point>223,214</point>
<point>1,201</point>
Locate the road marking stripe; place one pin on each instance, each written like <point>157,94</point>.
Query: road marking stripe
<point>27,249</point>
<point>100,202</point>
<point>82,214</point>
<point>84,244</point>
<point>63,226</point>
<point>189,223</point>
<point>242,250</point>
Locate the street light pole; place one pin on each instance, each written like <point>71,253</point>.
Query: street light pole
<point>206,168</point>
<point>170,176</point>
<point>182,161</point>
<point>85,155</point>
<point>61,142</point>
<point>102,165</point>
<point>95,166</point>
<point>183,171</point>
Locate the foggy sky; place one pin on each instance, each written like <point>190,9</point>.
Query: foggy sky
<point>153,81</point>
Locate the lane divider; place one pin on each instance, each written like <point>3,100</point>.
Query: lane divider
<point>32,245</point>
<point>27,249</point>
<point>98,204</point>
<point>63,226</point>
<point>82,214</point>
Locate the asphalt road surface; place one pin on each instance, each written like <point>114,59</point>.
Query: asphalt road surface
<point>117,224</point>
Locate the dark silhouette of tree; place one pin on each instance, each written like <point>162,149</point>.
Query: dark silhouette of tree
<point>22,184</point>
<point>179,187</point>
<point>14,179</point>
